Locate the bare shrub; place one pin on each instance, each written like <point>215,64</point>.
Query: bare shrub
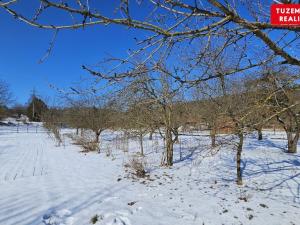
<point>51,120</point>
<point>137,167</point>
<point>90,146</point>
<point>86,143</point>
<point>70,135</point>
<point>108,151</point>
<point>54,132</point>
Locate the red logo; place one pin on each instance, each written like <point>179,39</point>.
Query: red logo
<point>285,14</point>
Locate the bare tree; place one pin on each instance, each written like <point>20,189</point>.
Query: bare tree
<point>72,119</point>
<point>235,105</point>
<point>206,111</point>
<point>160,93</point>
<point>89,112</point>
<point>96,119</point>
<point>73,115</point>
<point>284,103</point>
<point>138,117</point>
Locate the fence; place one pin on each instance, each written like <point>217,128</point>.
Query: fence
<point>23,128</point>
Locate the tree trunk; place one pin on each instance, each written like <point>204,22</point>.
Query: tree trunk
<point>292,141</point>
<point>238,159</point>
<point>259,132</point>
<point>77,131</point>
<point>169,147</point>
<point>141,144</point>
<point>213,137</point>
<point>176,140</point>
<point>151,135</point>
<point>97,133</point>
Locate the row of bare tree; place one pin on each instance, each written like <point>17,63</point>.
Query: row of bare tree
<point>218,61</point>
<point>233,106</point>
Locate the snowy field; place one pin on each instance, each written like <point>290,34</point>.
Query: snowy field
<point>43,184</point>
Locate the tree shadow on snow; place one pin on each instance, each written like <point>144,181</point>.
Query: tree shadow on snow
<point>64,211</point>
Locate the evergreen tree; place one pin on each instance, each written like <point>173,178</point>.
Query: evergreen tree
<point>36,108</point>
<point>5,98</point>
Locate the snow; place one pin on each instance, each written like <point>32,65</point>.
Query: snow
<point>41,183</point>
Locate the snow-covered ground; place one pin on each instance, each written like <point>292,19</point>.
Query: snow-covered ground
<point>41,183</point>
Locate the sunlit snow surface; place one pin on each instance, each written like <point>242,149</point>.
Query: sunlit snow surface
<point>41,183</point>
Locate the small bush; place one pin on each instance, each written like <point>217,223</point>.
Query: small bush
<point>86,144</point>
<point>54,132</point>
<point>90,146</point>
<point>137,165</point>
<point>95,219</point>
<point>108,151</point>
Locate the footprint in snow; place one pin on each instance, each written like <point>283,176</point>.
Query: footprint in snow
<point>108,199</point>
<point>60,217</point>
<point>117,218</point>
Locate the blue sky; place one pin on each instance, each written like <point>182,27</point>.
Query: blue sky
<point>23,46</point>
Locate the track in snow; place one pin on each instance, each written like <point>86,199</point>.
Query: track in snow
<point>44,184</point>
